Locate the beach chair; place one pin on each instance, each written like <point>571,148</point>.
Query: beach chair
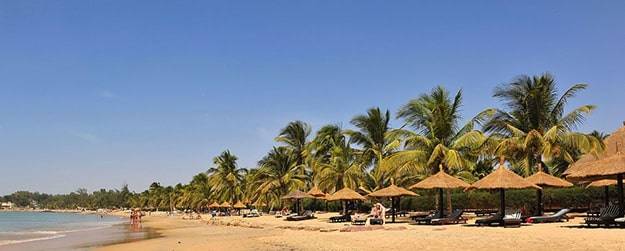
<point>454,218</point>
<point>306,216</point>
<point>359,220</point>
<point>512,220</point>
<point>341,218</point>
<point>607,217</point>
<point>425,219</point>
<point>496,218</point>
<point>557,217</point>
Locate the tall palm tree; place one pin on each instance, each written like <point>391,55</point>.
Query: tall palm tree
<point>320,149</point>
<point>197,193</point>
<point>437,140</point>
<point>342,169</point>
<point>534,128</point>
<point>376,141</point>
<point>295,136</point>
<point>278,174</point>
<point>226,177</point>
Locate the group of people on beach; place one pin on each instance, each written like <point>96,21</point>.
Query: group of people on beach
<point>135,217</point>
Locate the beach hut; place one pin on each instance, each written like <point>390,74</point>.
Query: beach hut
<point>500,180</point>
<point>605,183</point>
<point>545,180</point>
<point>394,193</point>
<point>440,181</point>
<point>297,195</point>
<point>345,195</point>
<point>610,164</point>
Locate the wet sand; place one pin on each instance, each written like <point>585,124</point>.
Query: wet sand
<point>270,233</point>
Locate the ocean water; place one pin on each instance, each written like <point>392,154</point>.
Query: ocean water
<point>35,228</point>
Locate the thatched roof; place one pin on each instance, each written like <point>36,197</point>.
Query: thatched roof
<point>608,163</point>
<point>392,191</point>
<point>440,180</point>
<point>297,194</point>
<point>345,194</point>
<point>316,192</point>
<point>214,205</point>
<point>225,204</point>
<point>259,204</point>
<point>502,178</point>
<point>602,183</point>
<point>542,179</point>
<point>239,205</point>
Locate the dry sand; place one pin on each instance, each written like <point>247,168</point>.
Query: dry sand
<point>269,233</point>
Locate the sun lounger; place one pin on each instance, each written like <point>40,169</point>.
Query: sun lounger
<point>359,220</point>
<point>425,219</point>
<point>557,217</point>
<point>454,218</point>
<point>251,214</point>
<point>306,216</point>
<point>512,220</point>
<point>607,217</point>
<point>341,218</point>
<point>496,218</point>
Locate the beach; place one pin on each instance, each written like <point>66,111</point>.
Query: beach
<point>270,233</point>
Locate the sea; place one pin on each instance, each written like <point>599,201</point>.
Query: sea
<point>24,230</point>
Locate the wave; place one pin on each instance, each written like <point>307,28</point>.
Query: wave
<point>8,242</point>
<point>50,234</point>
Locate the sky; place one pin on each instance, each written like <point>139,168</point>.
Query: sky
<point>97,94</point>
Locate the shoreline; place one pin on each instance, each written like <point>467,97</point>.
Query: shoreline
<point>270,233</point>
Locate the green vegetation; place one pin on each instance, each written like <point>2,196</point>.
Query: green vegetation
<point>533,130</point>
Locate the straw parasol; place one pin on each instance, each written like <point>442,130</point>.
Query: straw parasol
<point>608,165</point>
<point>214,205</point>
<point>344,195</point>
<point>297,195</point>
<point>605,183</point>
<point>543,180</point>
<point>316,192</point>
<point>239,205</point>
<point>502,179</point>
<point>225,205</point>
<point>440,181</point>
<point>395,193</point>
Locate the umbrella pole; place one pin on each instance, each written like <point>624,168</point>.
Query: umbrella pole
<point>539,205</point>
<point>606,196</point>
<point>619,188</point>
<point>393,209</point>
<point>502,201</point>
<point>441,206</point>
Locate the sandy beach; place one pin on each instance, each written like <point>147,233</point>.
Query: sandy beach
<point>270,233</point>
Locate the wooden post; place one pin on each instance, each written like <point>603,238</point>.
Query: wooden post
<point>441,204</point>
<point>619,188</point>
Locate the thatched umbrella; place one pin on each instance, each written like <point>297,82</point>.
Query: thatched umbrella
<point>318,194</point>
<point>608,165</point>
<point>344,195</point>
<point>214,205</point>
<point>605,183</point>
<point>239,205</point>
<point>543,180</point>
<point>297,195</point>
<point>502,179</point>
<point>440,181</point>
<point>394,193</point>
<point>225,205</point>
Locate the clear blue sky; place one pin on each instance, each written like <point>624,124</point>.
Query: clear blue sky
<point>100,93</point>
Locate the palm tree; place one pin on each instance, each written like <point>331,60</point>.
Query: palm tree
<point>437,140</point>
<point>226,177</point>
<point>376,141</point>
<point>342,169</point>
<point>295,136</point>
<point>197,193</point>
<point>534,128</point>
<point>278,174</point>
<point>320,149</point>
